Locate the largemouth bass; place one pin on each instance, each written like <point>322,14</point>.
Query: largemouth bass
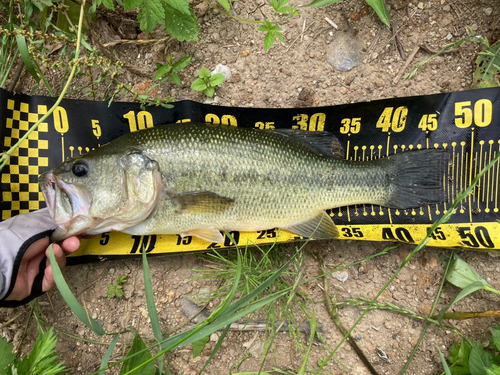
<point>198,179</point>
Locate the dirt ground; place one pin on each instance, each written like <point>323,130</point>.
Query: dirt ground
<point>292,74</point>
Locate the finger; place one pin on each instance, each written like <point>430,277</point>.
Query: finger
<point>32,270</point>
<point>70,245</point>
<point>36,248</point>
<point>59,255</point>
<point>48,280</point>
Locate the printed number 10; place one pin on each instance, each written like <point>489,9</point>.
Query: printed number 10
<point>141,121</point>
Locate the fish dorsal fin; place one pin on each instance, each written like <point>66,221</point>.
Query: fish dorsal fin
<point>324,143</point>
<point>201,202</point>
<point>210,235</point>
<point>320,227</point>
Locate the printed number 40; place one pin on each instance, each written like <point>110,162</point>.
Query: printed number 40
<point>393,119</point>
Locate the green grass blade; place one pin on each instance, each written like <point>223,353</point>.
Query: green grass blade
<point>322,3</point>
<point>150,300</point>
<point>25,55</point>
<point>70,299</point>
<point>302,370</point>
<point>443,361</point>
<point>216,349</point>
<point>381,10</point>
<point>107,356</point>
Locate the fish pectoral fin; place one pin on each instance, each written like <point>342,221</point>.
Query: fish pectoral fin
<point>320,227</point>
<point>201,202</point>
<point>210,235</point>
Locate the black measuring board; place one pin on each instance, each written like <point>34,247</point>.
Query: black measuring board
<point>466,124</point>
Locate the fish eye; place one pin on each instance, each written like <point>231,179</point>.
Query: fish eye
<point>80,169</point>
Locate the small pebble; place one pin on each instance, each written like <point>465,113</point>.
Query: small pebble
<point>446,8</point>
<point>72,347</point>
<point>449,37</point>
<point>488,11</point>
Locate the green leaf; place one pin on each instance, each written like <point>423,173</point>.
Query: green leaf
<point>108,4</point>
<point>487,72</point>
<point>461,274</point>
<point>479,360</point>
<point>204,73</point>
<point>495,340</point>
<point>381,10</point>
<point>224,4</point>
<point>180,26</point>
<point>42,359</point>
<point>151,13</point>
<point>216,79</point>
<point>6,355</point>
<point>162,70</point>
<point>469,290</point>
<point>25,55</point>
<point>132,361</point>
<point>180,5</point>
<point>70,299</point>
<point>279,36</point>
<point>209,91</point>
<point>268,40</point>
<point>322,3</point>
<point>459,358</point>
<point>181,64</point>
<point>493,370</point>
<point>175,78</point>
<point>119,292</point>
<point>132,4</point>
<point>199,345</point>
<point>281,6</point>
<point>198,85</point>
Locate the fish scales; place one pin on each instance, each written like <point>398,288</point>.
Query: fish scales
<point>274,182</point>
<point>214,177</point>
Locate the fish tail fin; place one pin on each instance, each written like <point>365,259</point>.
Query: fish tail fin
<point>417,178</point>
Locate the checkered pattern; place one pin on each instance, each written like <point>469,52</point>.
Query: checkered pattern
<point>20,176</point>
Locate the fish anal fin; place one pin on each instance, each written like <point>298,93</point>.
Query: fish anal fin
<point>210,235</point>
<point>201,202</point>
<point>320,227</point>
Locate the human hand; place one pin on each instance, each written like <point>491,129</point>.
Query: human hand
<point>31,263</point>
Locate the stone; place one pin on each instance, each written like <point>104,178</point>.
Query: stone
<point>345,52</point>
<point>341,276</point>
<point>224,70</point>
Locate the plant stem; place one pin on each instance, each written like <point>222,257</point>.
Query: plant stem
<point>6,156</point>
<point>332,309</point>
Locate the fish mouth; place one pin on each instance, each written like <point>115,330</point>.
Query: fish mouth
<point>66,203</point>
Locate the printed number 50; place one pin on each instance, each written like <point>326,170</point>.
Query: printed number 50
<point>482,113</point>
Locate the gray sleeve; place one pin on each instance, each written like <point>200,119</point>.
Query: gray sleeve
<point>16,235</point>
